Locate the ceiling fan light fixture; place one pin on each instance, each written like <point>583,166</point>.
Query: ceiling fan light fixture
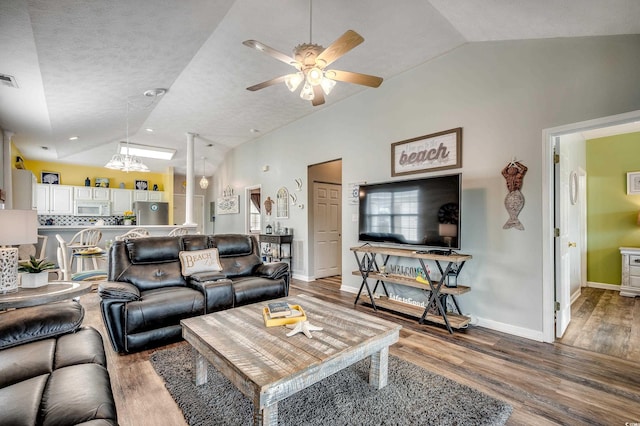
<point>314,76</point>
<point>293,81</point>
<point>327,85</point>
<point>307,92</point>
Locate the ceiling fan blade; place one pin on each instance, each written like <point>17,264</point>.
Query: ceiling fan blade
<point>267,83</point>
<point>254,44</point>
<point>354,77</point>
<point>318,96</point>
<point>342,45</point>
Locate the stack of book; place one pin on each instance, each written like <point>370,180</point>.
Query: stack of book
<point>281,313</point>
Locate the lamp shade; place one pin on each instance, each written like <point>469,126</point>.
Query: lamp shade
<point>18,227</point>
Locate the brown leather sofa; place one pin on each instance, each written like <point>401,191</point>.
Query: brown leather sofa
<point>147,295</point>
<point>53,370</point>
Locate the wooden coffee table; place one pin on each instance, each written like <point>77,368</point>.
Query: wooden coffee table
<point>267,366</point>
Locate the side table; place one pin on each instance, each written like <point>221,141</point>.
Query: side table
<point>52,292</point>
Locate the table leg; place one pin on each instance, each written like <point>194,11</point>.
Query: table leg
<point>200,365</point>
<point>379,369</point>
<point>268,416</point>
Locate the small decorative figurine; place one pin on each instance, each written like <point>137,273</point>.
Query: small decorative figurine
<point>87,182</point>
<point>304,327</point>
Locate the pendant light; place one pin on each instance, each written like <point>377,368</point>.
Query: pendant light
<point>204,182</point>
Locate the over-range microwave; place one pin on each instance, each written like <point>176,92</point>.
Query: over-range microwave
<point>91,208</point>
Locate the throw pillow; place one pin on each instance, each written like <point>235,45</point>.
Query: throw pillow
<point>199,261</point>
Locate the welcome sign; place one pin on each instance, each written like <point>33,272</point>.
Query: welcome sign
<point>437,151</point>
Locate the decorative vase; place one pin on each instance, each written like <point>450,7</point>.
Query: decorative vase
<point>30,280</point>
<point>128,222</point>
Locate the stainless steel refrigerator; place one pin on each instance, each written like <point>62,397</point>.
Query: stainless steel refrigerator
<point>151,213</point>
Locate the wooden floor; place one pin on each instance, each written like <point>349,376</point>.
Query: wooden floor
<point>545,383</point>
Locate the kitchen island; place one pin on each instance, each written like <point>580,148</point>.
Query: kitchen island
<point>109,233</point>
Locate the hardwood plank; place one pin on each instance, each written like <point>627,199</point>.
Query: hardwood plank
<point>545,383</point>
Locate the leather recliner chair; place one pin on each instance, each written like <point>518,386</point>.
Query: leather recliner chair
<point>146,294</point>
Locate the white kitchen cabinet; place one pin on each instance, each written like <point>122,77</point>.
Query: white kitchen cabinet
<point>55,199</point>
<point>139,195</point>
<point>24,189</point>
<point>121,201</point>
<point>630,285</point>
<point>91,193</point>
<point>155,195</point>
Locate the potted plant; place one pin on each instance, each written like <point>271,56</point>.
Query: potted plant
<point>129,217</point>
<point>35,272</point>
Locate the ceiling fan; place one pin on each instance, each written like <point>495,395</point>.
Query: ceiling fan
<point>311,61</point>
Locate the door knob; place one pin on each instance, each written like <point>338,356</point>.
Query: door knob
<point>572,244</point>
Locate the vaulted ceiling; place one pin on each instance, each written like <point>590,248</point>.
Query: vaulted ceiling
<point>78,64</point>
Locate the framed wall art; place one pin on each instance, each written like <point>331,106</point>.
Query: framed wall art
<point>102,182</point>
<point>52,178</point>
<point>633,183</point>
<point>142,185</point>
<point>228,205</point>
<point>437,151</point>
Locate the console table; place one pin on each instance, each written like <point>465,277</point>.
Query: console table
<point>372,262</point>
<point>277,240</point>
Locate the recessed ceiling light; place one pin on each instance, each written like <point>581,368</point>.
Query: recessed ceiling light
<point>254,131</point>
<point>152,93</point>
<point>209,144</point>
<point>44,148</point>
<point>149,130</point>
<point>73,138</point>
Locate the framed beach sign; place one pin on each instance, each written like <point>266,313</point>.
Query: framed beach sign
<point>437,151</point>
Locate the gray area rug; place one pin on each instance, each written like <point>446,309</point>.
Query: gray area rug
<point>413,396</point>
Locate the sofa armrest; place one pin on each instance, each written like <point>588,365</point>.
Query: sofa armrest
<point>117,290</point>
<point>218,294</point>
<point>39,322</point>
<point>272,270</point>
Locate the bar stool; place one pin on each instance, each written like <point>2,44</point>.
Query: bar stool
<point>82,241</point>
<point>134,233</point>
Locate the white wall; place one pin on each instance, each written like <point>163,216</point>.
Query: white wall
<point>502,94</point>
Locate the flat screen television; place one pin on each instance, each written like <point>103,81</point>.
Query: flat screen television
<point>422,213</point>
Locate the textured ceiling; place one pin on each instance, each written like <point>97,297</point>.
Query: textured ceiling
<point>79,63</point>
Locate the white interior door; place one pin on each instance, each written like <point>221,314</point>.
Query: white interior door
<point>327,213</point>
<point>563,243</point>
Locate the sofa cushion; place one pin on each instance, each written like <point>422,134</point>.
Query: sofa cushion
<point>195,261</point>
<point>256,289</point>
<point>232,245</point>
<point>20,402</point>
<point>39,322</point>
<point>162,307</point>
<point>153,249</point>
<point>25,361</point>
<point>196,242</point>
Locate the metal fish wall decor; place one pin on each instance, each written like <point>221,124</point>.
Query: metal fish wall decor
<point>514,201</point>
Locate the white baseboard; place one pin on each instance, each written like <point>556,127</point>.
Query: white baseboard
<point>603,286</point>
<point>304,278</point>
<point>508,328</point>
<point>575,295</point>
<point>348,289</point>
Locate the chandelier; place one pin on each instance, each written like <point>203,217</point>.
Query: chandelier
<point>204,182</point>
<point>127,162</point>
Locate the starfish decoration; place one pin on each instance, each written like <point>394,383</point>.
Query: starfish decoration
<point>303,327</point>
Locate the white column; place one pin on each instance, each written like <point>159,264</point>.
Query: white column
<point>190,180</point>
<point>7,183</point>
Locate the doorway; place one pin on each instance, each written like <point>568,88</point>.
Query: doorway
<point>325,219</point>
<point>253,220</point>
<point>556,277</point>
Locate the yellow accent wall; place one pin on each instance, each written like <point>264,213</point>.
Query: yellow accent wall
<point>611,214</point>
